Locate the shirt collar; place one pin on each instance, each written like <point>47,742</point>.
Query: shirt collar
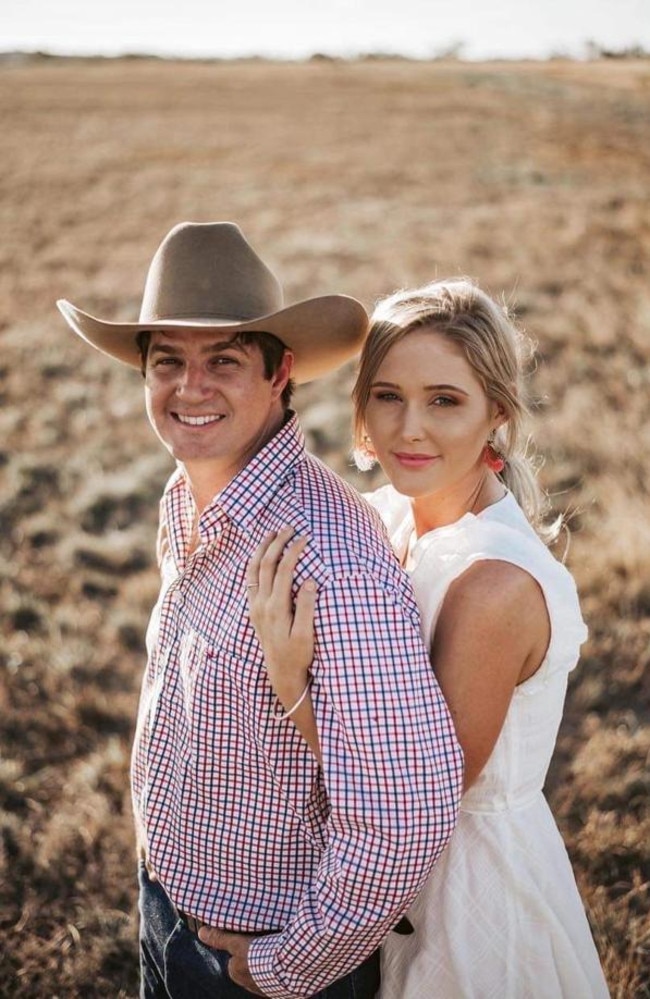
<point>249,493</point>
<point>244,498</point>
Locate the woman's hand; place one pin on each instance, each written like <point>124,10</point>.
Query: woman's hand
<point>285,631</point>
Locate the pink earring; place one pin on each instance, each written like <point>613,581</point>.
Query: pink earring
<point>492,458</point>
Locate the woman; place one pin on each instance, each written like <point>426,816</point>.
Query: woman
<point>439,403</point>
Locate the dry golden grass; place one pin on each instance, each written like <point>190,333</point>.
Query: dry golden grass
<point>353,177</point>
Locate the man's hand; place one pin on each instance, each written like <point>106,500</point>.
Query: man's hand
<point>235,944</point>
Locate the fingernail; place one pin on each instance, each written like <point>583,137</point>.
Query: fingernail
<point>310,585</point>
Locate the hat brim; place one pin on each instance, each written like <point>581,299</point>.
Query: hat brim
<point>322,333</point>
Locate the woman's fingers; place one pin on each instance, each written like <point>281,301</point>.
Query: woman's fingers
<point>284,574</point>
<point>274,598</point>
<point>303,618</point>
<point>253,571</point>
<point>260,573</point>
<point>269,560</point>
<point>284,630</point>
<point>269,582</point>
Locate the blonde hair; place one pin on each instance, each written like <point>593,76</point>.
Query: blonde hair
<point>496,350</point>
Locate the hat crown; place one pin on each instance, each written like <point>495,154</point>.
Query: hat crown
<point>208,270</point>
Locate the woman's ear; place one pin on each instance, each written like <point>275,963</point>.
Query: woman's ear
<point>498,415</point>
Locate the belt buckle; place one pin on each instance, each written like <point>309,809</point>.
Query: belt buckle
<point>193,924</point>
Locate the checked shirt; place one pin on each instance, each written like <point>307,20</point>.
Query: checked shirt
<point>244,829</point>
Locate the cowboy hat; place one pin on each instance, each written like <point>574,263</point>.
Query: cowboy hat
<point>205,275</point>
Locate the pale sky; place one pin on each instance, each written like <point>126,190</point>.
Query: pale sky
<point>297,28</point>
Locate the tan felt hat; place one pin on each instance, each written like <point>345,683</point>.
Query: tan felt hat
<point>206,275</point>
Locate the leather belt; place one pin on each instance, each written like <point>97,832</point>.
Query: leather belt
<point>193,924</point>
<point>404,927</point>
<point>190,922</point>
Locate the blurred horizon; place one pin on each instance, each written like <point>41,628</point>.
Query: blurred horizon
<point>418,29</point>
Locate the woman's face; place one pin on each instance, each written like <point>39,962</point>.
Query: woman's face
<point>428,417</point>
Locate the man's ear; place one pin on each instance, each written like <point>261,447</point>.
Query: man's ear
<point>283,374</point>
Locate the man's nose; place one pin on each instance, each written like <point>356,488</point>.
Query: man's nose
<point>194,381</point>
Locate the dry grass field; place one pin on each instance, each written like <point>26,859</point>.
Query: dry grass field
<point>351,177</point>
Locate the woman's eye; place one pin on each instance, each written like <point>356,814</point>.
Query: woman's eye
<point>444,400</point>
<point>386,396</point>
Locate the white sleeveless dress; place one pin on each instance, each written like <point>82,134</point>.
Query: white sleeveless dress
<point>500,916</point>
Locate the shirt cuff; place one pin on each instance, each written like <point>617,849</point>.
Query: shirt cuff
<point>261,964</point>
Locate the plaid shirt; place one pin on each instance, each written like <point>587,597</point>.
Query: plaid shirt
<point>245,831</point>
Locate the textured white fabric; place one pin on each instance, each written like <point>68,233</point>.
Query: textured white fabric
<point>500,917</point>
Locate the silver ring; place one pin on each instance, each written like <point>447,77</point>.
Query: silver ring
<point>252,586</point>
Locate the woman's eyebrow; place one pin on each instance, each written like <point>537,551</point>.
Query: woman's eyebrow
<point>426,388</point>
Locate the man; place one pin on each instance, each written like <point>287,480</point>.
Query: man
<point>267,874</point>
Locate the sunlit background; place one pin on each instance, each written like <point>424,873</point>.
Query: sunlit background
<point>295,29</point>
<point>348,175</point>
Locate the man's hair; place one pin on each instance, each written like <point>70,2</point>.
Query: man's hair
<point>271,349</point>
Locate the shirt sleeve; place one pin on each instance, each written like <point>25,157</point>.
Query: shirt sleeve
<point>393,773</point>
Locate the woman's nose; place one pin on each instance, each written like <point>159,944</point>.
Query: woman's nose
<point>412,429</point>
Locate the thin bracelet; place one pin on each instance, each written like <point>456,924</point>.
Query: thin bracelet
<point>287,714</point>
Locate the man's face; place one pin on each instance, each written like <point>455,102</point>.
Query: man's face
<point>209,401</point>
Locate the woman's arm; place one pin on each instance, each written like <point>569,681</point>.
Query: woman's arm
<point>285,631</point>
<point>492,634</point>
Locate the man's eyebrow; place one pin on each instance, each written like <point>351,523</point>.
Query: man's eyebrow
<point>221,345</point>
<point>216,347</point>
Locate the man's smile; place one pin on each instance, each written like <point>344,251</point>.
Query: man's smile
<point>198,421</point>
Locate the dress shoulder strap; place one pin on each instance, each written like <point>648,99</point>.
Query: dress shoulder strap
<point>445,554</point>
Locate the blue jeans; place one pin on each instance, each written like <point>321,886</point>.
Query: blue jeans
<point>174,964</point>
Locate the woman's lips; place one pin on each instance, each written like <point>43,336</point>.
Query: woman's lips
<point>415,460</point>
